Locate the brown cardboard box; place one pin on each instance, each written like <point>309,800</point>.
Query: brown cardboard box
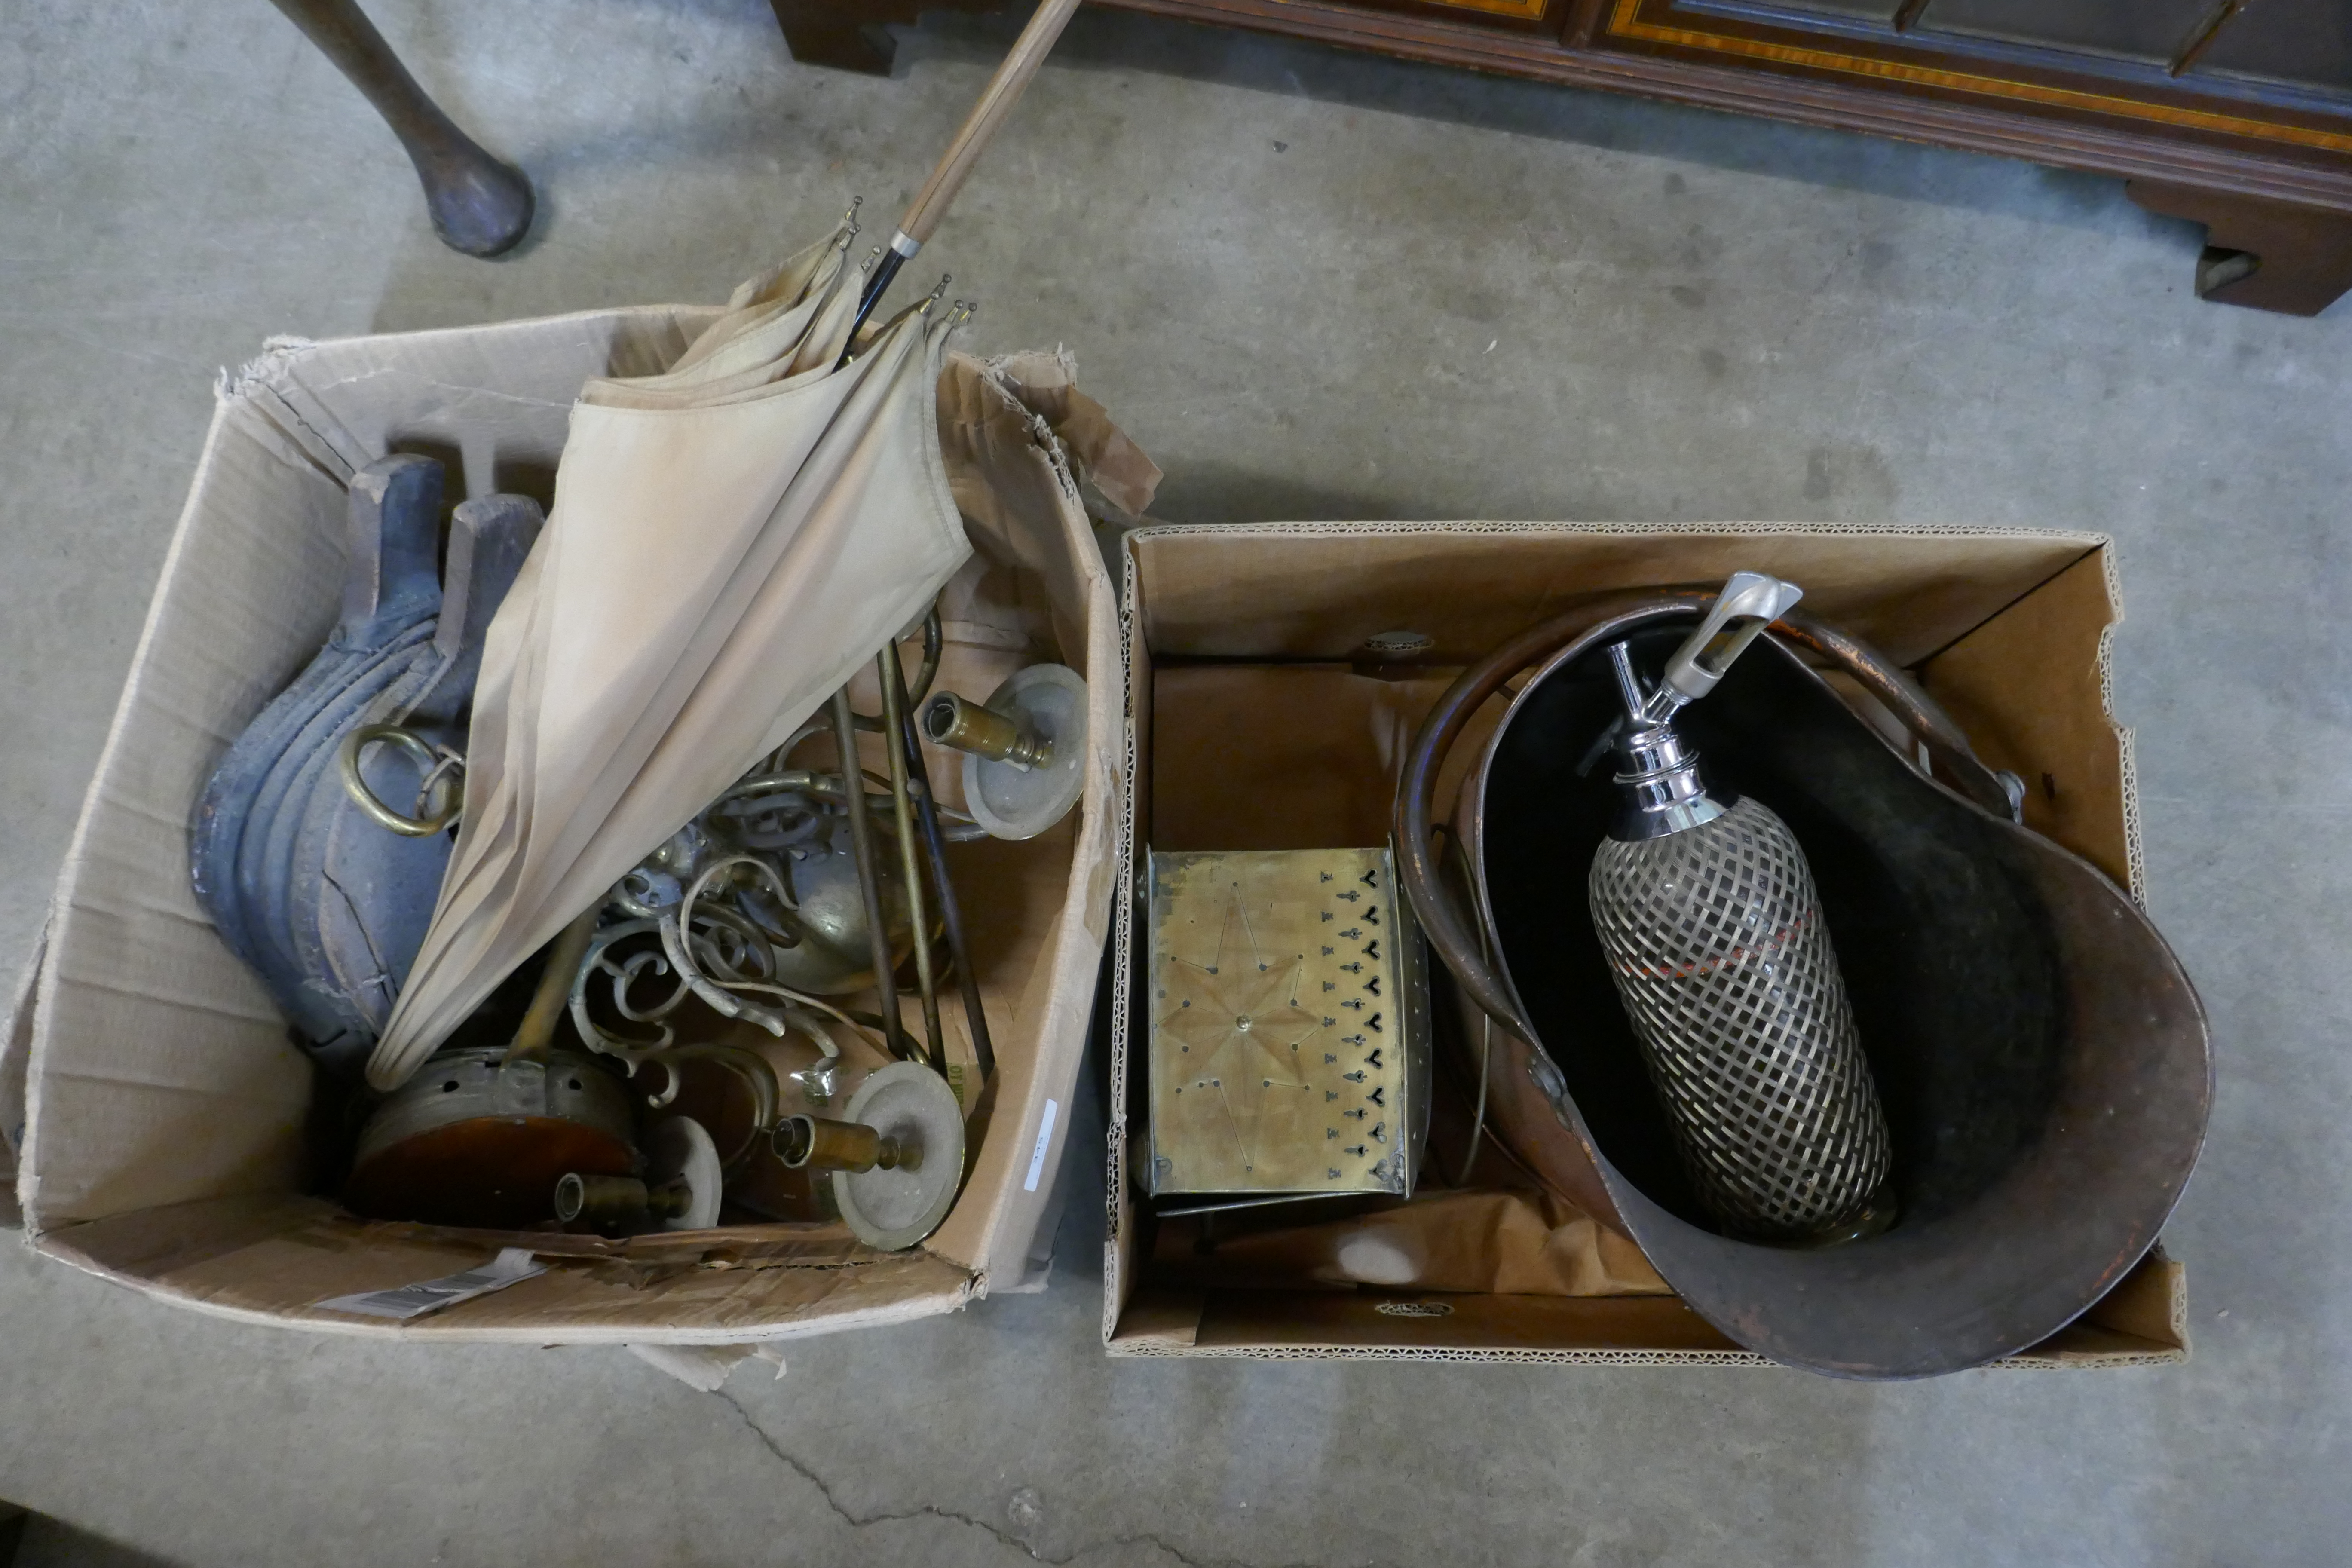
<point>1248,729</point>
<point>164,1108</point>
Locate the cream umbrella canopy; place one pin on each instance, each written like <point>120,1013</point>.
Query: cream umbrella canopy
<point>711,571</point>
<point>730,539</point>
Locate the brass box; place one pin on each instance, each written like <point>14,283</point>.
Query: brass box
<point>1288,1012</point>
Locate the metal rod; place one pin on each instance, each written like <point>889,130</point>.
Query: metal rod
<point>821,1144</point>
<point>869,880</point>
<point>553,997</point>
<point>1629,684</point>
<point>930,670</point>
<point>950,911</point>
<point>878,283</point>
<point>894,722</point>
<point>949,721</point>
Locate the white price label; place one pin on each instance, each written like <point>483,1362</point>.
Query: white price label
<point>1044,1139</point>
<point>510,1267</point>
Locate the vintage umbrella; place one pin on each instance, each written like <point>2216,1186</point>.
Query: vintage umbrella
<point>731,540</point>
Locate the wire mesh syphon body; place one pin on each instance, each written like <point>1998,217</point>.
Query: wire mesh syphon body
<point>1714,936</point>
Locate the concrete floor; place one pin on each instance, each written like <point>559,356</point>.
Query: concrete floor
<point>1312,285</point>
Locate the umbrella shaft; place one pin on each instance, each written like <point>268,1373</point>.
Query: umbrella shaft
<point>886,269</point>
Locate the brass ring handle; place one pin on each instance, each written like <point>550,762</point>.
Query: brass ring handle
<point>442,768</point>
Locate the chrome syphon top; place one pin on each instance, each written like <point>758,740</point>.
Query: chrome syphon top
<point>1659,774</point>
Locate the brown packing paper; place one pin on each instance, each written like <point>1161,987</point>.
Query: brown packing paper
<point>1099,449</point>
<point>1500,1243</point>
<point>1014,445</point>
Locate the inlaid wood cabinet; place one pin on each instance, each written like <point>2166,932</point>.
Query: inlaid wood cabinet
<point>2234,113</point>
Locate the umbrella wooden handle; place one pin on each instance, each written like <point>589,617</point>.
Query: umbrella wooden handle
<point>1029,52</point>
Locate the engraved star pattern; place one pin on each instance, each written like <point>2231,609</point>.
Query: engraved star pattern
<point>1240,1014</point>
<point>1278,1049</point>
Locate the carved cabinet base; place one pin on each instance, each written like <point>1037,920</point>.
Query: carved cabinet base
<point>849,35</point>
<point>2270,254</point>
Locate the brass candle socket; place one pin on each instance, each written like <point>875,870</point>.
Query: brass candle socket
<point>949,721</point>
<point>604,1201</point>
<point>821,1144</point>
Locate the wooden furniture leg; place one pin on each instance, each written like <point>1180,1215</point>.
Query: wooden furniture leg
<point>848,34</point>
<point>479,206</point>
<point>2273,256</point>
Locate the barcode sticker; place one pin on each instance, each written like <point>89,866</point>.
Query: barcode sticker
<point>1037,1155</point>
<point>511,1266</point>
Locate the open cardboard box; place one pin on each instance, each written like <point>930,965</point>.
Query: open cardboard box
<point>163,1140</point>
<point>1249,730</point>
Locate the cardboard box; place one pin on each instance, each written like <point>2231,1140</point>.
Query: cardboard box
<point>1248,729</point>
<point>164,1140</point>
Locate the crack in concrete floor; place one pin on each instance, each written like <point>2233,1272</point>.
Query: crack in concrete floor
<point>1005,1537</point>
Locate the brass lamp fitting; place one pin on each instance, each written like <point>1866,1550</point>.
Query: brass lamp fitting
<point>949,721</point>
<point>604,1201</point>
<point>821,1144</point>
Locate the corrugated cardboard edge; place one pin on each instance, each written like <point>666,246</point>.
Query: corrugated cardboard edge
<point>2026,1360</point>
<point>1118,1204</point>
<point>1478,527</point>
<point>1363,1352</point>
<point>1002,1250</point>
<point>1174,1341</point>
<point>452,1327</point>
<point>58,929</point>
<point>2142,1322</point>
<point>277,386</point>
<point>2111,557</point>
<point>271,1258</point>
